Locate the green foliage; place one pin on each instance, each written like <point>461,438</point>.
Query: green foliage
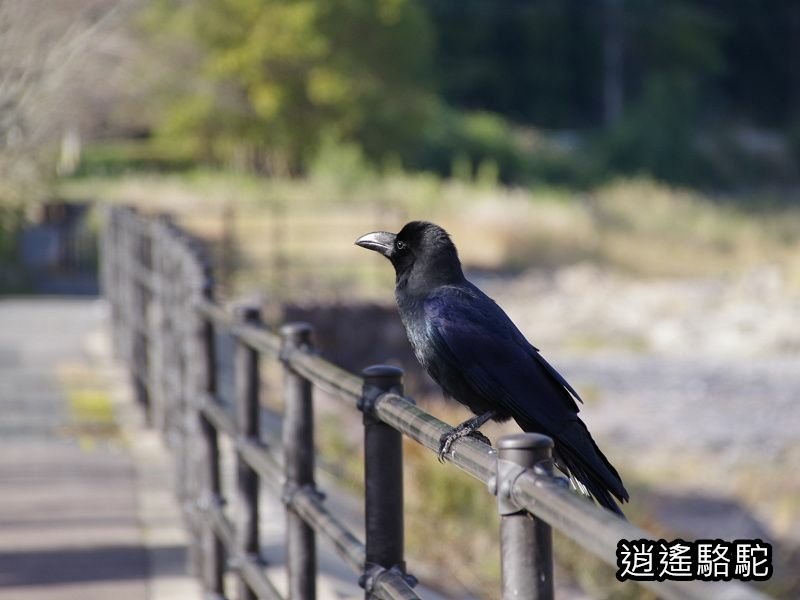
<point>485,147</point>
<point>124,156</point>
<point>534,62</point>
<point>275,77</point>
<point>677,55</point>
<point>457,141</point>
<point>679,39</point>
<point>467,88</point>
<point>342,167</point>
<point>657,135</point>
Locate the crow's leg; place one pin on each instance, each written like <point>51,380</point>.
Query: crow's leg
<point>468,427</point>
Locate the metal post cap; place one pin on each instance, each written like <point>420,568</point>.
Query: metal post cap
<point>524,441</point>
<point>382,372</point>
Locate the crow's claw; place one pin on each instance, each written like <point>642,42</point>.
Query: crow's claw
<point>447,439</point>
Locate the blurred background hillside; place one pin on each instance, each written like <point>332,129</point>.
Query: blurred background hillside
<point>621,175</point>
<point>695,92</point>
<point>569,130</point>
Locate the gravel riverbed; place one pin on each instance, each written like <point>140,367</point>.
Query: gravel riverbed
<point>693,384</point>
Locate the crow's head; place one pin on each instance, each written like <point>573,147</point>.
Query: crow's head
<point>421,251</point>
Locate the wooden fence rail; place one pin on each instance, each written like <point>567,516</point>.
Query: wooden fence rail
<point>165,322</point>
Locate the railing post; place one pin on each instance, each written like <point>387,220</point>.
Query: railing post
<point>247,381</point>
<point>213,551</point>
<point>184,423</point>
<point>383,478</point>
<point>172,359</point>
<point>109,271</point>
<point>141,343</point>
<point>298,448</point>
<point>120,279</point>
<point>526,542</point>
<point>157,327</point>
<point>128,298</point>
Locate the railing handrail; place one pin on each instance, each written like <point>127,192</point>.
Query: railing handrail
<point>595,529</point>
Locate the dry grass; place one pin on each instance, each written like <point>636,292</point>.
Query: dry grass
<point>297,235</point>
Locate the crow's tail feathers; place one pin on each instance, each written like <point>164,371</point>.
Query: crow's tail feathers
<point>576,450</point>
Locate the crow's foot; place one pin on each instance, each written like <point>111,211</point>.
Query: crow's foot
<point>468,427</point>
<point>447,439</point>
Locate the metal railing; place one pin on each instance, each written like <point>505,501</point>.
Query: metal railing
<point>165,322</point>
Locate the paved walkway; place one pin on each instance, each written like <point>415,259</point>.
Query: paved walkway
<point>79,515</point>
<point>87,510</point>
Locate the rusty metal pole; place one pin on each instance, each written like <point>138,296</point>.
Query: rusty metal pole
<point>383,478</point>
<point>298,448</point>
<point>526,542</point>
<point>246,365</point>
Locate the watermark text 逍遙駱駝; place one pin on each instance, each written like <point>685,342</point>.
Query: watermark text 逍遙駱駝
<point>706,560</point>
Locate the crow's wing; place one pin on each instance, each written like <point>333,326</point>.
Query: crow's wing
<point>478,343</point>
<point>474,337</point>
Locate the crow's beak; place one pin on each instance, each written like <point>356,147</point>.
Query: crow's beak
<point>379,241</point>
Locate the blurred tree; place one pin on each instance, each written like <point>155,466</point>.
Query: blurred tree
<point>57,65</point>
<point>762,51</point>
<point>679,40</point>
<point>258,83</point>
<point>274,77</point>
<point>613,68</point>
<point>536,62</point>
<point>673,66</point>
<point>568,63</point>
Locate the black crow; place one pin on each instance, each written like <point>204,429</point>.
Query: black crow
<point>478,356</point>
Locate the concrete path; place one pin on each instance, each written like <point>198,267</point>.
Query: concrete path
<point>87,508</point>
<point>77,508</point>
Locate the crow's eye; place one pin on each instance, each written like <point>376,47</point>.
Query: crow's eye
<point>400,245</point>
